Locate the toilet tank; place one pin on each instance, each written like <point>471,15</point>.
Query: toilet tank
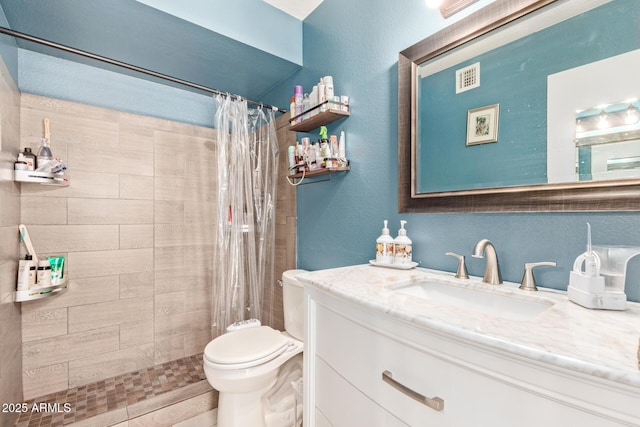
<point>293,303</point>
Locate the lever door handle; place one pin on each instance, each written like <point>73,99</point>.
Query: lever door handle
<point>435,403</point>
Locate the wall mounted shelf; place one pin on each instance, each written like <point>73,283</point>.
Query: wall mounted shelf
<point>320,119</point>
<point>45,178</point>
<point>316,173</point>
<point>38,293</point>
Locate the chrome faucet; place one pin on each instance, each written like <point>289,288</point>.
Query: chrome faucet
<point>492,274</point>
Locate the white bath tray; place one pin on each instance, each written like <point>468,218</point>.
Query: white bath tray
<point>38,293</point>
<point>45,178</point>
<point>394,266</point>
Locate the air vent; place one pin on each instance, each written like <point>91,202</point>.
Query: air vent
<point>468,78</point>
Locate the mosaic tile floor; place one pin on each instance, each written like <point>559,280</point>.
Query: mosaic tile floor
<point>79,403</point>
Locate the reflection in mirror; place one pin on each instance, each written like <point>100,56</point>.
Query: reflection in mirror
<point>512,69</point>
<point>608,141</point>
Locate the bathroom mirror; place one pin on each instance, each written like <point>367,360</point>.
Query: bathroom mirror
<point>527,68</point>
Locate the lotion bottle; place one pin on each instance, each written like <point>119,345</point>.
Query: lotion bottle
<point>384,247</point>
<point>26,273</point>
<point>402,246</point>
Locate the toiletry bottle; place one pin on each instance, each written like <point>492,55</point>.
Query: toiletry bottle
<point>26,273</point>
<point>344,102</point>
<point>306,104</point>
<point>292,108</point>
<point>44,152</point>
<point>43,278</point>
<point>328,87</point>
<point>402,246</point>
<point>291,151</point>
<point>313,100</point>
<point>384,247</point>
<point>30,158</point>
<point>342,154</point>
<point>21,163</point>
<point>298,97</point>
<point>333,139</point>
<point>322,95</point>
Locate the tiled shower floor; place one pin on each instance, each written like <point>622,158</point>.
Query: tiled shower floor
<point>112,393</point>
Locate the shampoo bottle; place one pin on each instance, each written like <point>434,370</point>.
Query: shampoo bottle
<point>384,247</point>
<point>402,246</point>
<point>26,273</point>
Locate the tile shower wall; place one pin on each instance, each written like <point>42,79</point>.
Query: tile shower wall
<point>136,227</point>
<point>10,346</point>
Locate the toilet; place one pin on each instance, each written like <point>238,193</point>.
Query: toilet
<point>244,365</point>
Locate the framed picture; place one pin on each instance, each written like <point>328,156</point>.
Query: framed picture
<point>482,125</point>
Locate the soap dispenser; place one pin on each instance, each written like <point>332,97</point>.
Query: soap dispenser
<point>402,246</point>
<point>384,247</point>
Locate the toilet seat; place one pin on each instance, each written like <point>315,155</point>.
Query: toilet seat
<point>246,348</point>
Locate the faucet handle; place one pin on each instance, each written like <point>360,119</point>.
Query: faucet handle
<point>462,268</point>
<point>528,281</point>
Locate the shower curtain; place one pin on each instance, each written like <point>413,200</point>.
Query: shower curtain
<point>247,162</point>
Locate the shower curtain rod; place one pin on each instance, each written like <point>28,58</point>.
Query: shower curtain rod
<point>17,34</point>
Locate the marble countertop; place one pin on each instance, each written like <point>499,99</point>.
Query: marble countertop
<point>602,343</point>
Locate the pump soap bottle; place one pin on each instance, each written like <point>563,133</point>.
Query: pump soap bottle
<point>384,247</point>
<point>402,246</point>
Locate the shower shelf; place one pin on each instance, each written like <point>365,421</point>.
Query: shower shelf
<point>320,119</point>
<point>318,172</point>
<point>45,178</point>
<point>34,294</point>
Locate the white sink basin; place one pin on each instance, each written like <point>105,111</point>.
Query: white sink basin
<point>497,304</point>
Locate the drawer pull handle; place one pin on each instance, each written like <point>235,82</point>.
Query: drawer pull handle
<point>433,403</point>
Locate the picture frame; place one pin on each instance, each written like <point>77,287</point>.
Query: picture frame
<point>482,125</point>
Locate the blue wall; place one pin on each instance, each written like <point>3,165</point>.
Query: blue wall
<point>63,79</point>
<point>357,42</point>
<point>8,50</point>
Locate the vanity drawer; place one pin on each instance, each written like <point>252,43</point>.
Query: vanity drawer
<point>340,404</point>
<point>471,397</point>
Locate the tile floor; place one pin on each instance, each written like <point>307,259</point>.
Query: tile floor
<point>80,403</point>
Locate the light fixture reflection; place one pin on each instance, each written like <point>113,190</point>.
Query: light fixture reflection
<point>603,123</point>
<point>621,116</point>
<point>433,4</point>
<point>632,116</point>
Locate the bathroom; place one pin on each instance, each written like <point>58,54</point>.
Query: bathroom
<point>136,210</point>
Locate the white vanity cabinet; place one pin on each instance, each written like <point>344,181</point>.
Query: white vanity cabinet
<point>349,346</point>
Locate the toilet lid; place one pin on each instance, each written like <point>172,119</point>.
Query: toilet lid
<point>241,348</point>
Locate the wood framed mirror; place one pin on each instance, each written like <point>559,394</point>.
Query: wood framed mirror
<point>615,194</point>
